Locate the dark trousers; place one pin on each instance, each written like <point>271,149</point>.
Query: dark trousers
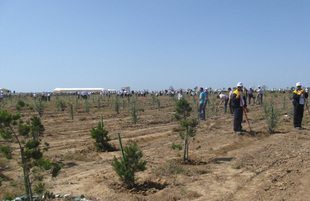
<point>260,99</point>
<point>225,106</point>
<point>250,97</point>
<point>231,108</point>
<point>298,115</point>
<point>238,115</point>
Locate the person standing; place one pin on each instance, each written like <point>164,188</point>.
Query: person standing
<point>231,109</point>
<point>299,98</point>
<point>202,105</point>
<point>180,95</point>
<point>251,96</point>
<point>259,96</point>
<point>238,102</point>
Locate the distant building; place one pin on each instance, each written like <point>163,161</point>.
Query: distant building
<point>68,90</point>
<point>5,91</point>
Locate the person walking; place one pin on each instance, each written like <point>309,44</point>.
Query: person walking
<point>202,105</point>
<point>237,97</point>
<point>299,98</point>
<point>224,99</point>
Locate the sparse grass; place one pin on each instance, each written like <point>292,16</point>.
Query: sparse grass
<point>237,165</point>
<point>169,168</point>
<point>77,156</point>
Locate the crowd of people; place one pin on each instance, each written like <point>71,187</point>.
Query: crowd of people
<point>237,101</point>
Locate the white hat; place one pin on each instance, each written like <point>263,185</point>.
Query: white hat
<point>258,86</point>
<point>206,88</point>
<point>298,84</point>
<point>239,84</point>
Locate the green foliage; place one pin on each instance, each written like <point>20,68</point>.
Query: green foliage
<point>39,107</point>
<point>7,151</point>
<point>272,117</point>
<point>176,146</point>
<point>189,128</point>
<point>20,104</point>
<point>61,104</point>
<point>101,138</point>
<point>29,139</point>
<point>116,104</point>
<point>71,111</point>
<point>1,179</point>
<point>130,164</point>
<point>9,197</point>
<point>39,188</point>
<point>182,109</point>
<point>48,194</point>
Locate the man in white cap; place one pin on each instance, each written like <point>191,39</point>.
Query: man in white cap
<point>238,102</point>
<point>299,98</point>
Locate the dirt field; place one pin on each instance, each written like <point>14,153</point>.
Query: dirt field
<point>222,166</point>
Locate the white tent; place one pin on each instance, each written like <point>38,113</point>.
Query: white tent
<point>64,90</point>
<point>5,91</point>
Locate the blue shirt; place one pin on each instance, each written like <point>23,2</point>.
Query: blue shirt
<point>203,95</point>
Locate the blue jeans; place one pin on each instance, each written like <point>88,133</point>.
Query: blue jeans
<point>202,111</point>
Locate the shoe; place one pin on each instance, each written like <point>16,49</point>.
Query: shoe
<point>237,132</point>
<point>243,130</point>
<point>298,128</point>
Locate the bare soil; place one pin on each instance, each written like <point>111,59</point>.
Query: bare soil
<point>222,166</point>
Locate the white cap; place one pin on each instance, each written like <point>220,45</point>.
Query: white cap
<point>206,88</point>
<point>298,84</point>
<point>258,86</point>
<point>239,84</point>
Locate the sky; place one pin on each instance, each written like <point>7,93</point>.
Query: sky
<point>153,44</point>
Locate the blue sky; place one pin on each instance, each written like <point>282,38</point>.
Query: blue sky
<point>153,44</point>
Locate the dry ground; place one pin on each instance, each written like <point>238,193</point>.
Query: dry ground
<point>222,166</point>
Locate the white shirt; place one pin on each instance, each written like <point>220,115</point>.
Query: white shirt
<point>301,99</point>
<point>223,97</point>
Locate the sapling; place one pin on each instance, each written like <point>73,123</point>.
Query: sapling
<point>61,104</point>
<point>272,117</point>
<point>28,137</point>
<point>71,111</point>
<point>116,104</point>
<point>39,107</point>
<point>101,138</point>
<point>129,165</point>
<point>99,103</point>
<point>183,110</point>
